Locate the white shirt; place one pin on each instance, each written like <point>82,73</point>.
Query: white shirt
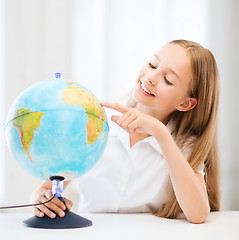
<point>126,179</point>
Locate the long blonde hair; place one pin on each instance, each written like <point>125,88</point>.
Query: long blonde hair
<point>199,124</point>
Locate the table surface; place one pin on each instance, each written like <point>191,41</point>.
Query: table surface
<point>219,225</point>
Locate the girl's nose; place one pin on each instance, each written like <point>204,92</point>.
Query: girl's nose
<point>149,79</point>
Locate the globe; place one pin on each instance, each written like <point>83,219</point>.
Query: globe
<point>57,128</point>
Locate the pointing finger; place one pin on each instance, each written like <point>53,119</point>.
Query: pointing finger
<point>115,106</point>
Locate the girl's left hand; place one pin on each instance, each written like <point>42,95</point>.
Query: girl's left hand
<point>134,121</point>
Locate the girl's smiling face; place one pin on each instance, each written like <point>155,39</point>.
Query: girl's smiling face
<point>163,83</point>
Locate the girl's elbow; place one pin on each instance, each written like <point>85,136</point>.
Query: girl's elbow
<point>199,217</point>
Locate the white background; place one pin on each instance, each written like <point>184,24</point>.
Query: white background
<point>102,44</point>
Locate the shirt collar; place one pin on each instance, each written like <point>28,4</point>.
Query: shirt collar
<point>123,136</point>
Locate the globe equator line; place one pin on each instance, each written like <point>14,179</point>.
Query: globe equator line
<point>45,110</point>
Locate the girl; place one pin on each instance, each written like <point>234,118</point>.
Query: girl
<point>162,154</point>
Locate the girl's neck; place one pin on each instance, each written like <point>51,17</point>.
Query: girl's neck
<point>163,117</point>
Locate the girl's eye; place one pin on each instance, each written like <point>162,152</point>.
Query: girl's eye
<point>167,81</point>
<point>151,65</point>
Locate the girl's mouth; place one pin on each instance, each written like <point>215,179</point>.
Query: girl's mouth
<point>144,89</point>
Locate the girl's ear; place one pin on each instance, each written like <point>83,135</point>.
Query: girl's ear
<point>188,104</point>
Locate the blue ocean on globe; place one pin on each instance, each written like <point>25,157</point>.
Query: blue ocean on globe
<point>57,128</point>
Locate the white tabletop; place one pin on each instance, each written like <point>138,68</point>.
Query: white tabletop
<point>219,225</point>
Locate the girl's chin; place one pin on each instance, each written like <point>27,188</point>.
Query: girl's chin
<point>138,95</point>
<point>138,98</point>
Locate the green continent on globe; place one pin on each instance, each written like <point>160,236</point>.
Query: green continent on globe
<point>75,96</point>
<point>26,122</point>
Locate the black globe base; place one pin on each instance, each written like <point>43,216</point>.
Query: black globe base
<point>70,220</point>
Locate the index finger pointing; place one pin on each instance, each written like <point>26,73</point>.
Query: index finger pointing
<point>115,106</point>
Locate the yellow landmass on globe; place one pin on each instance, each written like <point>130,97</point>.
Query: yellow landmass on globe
<point>26,122</point>
<point>75,96</point>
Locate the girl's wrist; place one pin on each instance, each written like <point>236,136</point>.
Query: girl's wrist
<point>161,132</point>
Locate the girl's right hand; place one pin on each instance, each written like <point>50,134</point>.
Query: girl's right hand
<point>50,209</point>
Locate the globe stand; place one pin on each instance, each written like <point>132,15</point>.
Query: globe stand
<point>70,220</point>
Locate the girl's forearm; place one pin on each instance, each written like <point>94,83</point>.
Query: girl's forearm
<point>189,187</point>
